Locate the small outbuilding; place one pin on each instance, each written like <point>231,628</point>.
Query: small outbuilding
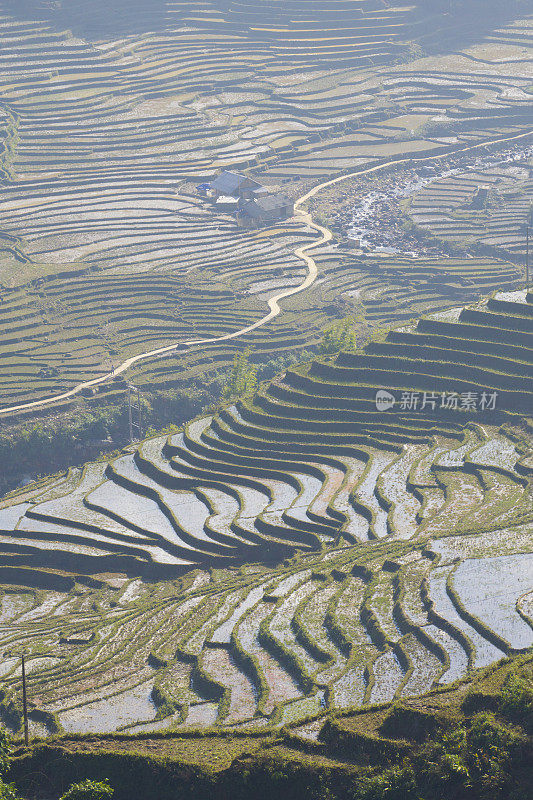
<point>263,209</point>
<point>203,188</point>
<point>227,203</point>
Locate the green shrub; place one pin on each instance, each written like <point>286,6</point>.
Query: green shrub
<point>7,790</point>
<point>341,335</point>
<point>496,757</point>
<point>516,699</point>
<point>394,784</point>
<point>242,381</point>
<point>487,734</point>
<point>453,765</point>
<point>273,366</point>
<point>4,751</point>
<point>89,790</point>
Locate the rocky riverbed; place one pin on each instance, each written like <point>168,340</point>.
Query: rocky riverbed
<point>370,213</point>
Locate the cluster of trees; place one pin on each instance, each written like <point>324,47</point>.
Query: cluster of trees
<point>242,380</point>
<point>246,372</point>
<point>349,333</point>
<point>341,335</point>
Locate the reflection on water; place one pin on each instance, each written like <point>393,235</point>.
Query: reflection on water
<point>37,730</point>
<point>202,714</point>
<point>112,713</point>
<point>97,19</point>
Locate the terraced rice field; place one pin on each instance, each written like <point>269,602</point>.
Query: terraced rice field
<point>111,116</point>
<point>296,553</point>
<point>451,210</point>
<point>303,550</point>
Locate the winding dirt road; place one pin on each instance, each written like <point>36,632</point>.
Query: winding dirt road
<point>273,302</point>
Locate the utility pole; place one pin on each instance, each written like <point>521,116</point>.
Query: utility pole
<point>527,259</point>
<point>131,409</point>
<point>140,414</point>
<point>130,422</point>
<point>25,703</point>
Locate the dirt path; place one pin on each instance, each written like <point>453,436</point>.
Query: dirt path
<point>273,302</point>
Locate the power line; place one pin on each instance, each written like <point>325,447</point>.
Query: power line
<point>134,407</point>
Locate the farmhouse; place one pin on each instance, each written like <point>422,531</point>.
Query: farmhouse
<point>252,203</point>
<point>262,209</point>
<point>233,184</point>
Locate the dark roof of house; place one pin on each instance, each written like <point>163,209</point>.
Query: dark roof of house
<point>229,182</point>
<point>266,205</point>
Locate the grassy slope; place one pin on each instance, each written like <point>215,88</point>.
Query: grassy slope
<point>470,740</point>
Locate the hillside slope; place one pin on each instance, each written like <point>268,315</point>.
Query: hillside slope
<point>381,518</point>
<point>111,111</point>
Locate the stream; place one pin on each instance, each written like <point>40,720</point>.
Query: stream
<point>376,220</point>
